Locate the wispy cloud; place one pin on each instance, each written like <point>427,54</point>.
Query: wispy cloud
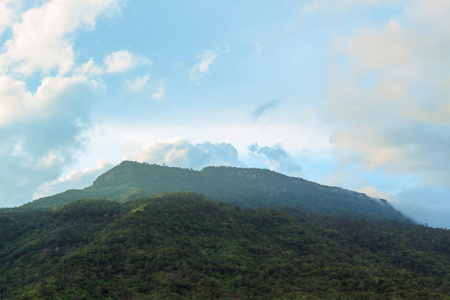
<point>264,108</point>
<point>258,48</point>
<point>138,84</point>
<point>90,68</point>
<point>206,60</point>
<point>76,179</point>
<point>160,90</point>
<point>121,61</point>
<point>199,70</point>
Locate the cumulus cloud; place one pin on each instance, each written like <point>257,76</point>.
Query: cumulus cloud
<point>276,158</point>
<point>18,105</point>
<point>121,61</point>
<point>182,153</point>
<point>76,179</point>
<point>41,133</point>
<point>50,28</point>
<point>8,13</point>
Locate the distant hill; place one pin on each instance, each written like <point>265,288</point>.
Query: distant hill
<point>185,246</point>
<point>244,187</point>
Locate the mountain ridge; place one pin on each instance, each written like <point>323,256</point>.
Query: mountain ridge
<point>244,187</point>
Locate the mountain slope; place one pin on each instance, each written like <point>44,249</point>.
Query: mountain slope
<point>183,245</point>
<point>247,188</point>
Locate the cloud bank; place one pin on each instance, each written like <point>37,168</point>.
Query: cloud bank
<point>388,114</point>
<point>184,154</point>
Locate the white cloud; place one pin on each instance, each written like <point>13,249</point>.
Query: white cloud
<point>76,179</point>
<point>343,6</point>
<point>390,103</point>
<point>159,93</point>
<point>89,69</point>
<point>182,153</point>
<point>121,61</point>
<point>199,70</point>
<point>381,49</point>
<point>117,62</point>
<point>8,13</point>
<point>15,100</point>
<point>400,122</point>
<point>206,59</point>
<point>276,158</point>
<point>51,28</point>
<point>40,132</point>
<point>138,84</point>
<point>19,105</point>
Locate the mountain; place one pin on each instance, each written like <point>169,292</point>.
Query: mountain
<point>246,188</point>
<point>186,246</point>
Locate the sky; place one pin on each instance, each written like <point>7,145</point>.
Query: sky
<point>349,93</point>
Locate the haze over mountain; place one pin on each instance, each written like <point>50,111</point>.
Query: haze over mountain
<point>247,188</point>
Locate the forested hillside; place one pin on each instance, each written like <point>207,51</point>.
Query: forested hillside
<point>183,245</point>
<point>247,188</point>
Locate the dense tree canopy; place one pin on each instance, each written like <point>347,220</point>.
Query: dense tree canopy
<point>183,245</point>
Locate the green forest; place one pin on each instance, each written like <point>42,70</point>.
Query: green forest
<point>244,187</point>
<point>185,246</point>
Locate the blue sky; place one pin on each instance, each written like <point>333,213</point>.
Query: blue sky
<point>353,93</point>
